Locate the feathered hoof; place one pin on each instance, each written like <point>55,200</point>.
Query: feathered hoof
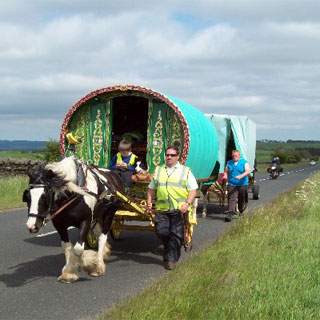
<point>98,272</point>
<point>68,277</point>
<point>106,251</point>
<point>91,264</point>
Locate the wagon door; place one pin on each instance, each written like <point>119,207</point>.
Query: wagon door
<point>100,133</point>
<point>164,130</point>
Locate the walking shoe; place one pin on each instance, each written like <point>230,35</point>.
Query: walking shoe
<point>165,254</point>
<point>228,218</point>
<point>170,264</point>
<point>243,209</point>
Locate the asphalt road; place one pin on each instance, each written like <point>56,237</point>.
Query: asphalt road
<point>30,264</point>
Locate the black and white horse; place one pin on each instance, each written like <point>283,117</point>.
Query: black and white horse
<point>54,192</point>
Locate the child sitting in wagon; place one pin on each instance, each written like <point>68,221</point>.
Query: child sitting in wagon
<point>124,162</point>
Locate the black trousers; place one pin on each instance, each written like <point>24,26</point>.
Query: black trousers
<point>169,229</point>
<point>125,176</point>
<point>237,195</point>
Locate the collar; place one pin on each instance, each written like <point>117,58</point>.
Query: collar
<point>174,167</point>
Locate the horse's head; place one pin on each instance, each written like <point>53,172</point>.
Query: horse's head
<point>39,196</point>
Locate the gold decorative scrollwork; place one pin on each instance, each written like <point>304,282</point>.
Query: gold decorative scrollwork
<point>157,141</point>
<point>107,134</point>
<point>97,139</point>
<point>123,87</point>
<point>79,134</point>
<point>176,133</point>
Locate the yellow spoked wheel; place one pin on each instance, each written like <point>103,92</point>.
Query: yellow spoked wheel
<point>92,240</point>
<point>116,229</point>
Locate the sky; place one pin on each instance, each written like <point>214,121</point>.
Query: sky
<point>254,58</point>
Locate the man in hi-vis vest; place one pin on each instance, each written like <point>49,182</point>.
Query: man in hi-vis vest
<point>175,188</point>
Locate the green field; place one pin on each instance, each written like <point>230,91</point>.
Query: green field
<point>21,155</point>
<point>266,266</point>
<point>287,145</point>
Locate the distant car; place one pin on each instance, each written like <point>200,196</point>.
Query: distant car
<point>312,162</point>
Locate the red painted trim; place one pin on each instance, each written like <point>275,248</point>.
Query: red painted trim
<point>158,95</point>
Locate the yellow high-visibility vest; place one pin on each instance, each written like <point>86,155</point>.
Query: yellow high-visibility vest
<point>132,159</point>
<point>172,188</point>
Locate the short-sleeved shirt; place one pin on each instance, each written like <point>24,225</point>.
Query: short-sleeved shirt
<point>191,180</point>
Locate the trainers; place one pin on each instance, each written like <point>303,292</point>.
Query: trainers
<point>228,218</point>
<point>170,265</point>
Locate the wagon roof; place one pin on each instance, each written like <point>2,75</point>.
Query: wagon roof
<point>200,138</point>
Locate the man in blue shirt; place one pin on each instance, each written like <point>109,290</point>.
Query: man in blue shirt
<point>236,173</point>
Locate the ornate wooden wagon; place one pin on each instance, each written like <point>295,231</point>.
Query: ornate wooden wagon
<point>154,121</point>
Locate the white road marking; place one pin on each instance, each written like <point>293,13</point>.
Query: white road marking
<point>49,233</point>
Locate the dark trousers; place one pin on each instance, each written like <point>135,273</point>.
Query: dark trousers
<point>125,176</point>
<point>237,195</point>
<point>170,231</point>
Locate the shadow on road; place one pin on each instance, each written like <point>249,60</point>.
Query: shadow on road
<point>24,273</point>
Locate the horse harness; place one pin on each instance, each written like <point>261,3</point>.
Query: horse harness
<point>110,194</point>
<point>81,182</point>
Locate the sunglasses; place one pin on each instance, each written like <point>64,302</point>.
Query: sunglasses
<point>170,155</point>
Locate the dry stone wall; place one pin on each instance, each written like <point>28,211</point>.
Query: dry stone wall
<point>15,166</point>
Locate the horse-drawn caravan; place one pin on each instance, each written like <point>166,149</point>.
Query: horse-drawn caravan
<point>79,190</point>
<point>153,121</point>
<point>234,132</point>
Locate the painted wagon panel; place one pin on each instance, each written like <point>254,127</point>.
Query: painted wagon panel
<point>163,120</point>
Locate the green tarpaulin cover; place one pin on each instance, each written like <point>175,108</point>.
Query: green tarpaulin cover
<point>244,133</point>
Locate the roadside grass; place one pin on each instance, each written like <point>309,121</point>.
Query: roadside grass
<point>11,190</point>
<point>266,266</point>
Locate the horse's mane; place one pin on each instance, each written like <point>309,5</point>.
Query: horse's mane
<point>66,169</point>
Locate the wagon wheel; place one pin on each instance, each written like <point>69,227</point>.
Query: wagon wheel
<point>116,229</point>
<point>92,239</point>
<point>255,192</point>
<point>224,193</point>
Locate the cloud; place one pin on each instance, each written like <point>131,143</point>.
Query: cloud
<point>259,59</point>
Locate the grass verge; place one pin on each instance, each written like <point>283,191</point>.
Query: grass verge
<point>265,267</point>
<point>11,190</point>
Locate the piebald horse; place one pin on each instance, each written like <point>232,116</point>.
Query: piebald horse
<point>70,193</point>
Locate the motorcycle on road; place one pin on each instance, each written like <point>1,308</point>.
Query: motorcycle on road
<point>274,171</point>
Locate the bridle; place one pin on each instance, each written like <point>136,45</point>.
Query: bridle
<point>49,196</point>
<point>49,192</point>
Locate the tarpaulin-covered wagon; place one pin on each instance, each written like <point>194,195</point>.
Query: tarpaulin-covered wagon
<point>154,121</point>
<point>234,132</point>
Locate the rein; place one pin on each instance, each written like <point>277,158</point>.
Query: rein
<point>60,209</point>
